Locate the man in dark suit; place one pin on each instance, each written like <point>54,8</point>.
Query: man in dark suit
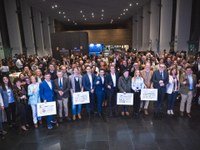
<point>111,88</point>
<point>52,71</point>
<point>61,88</point>
<point>99,86</point>
<point>88,85</point>
<point>47,95</point>
<point>160,79</point>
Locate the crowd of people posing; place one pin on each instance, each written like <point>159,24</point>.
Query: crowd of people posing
<point>45,79</point>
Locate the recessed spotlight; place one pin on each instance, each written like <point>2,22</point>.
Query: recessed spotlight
<point>56,6</point>
<point>81,11</point>
<point>137,3</point>
<point>130,4</point>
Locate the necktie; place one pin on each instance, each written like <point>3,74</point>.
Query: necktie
<point>60,83</point>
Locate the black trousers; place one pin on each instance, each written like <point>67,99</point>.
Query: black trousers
<point>22,112</point>
<point>137,100</point>
<point>11,113</point>
<point>112,99</point>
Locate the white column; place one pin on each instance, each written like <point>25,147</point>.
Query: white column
<point>13,26</point>
<point>134,30</point>
<point>46,32</point>
<point>52,25</point>
<point>28,28</point>
<point>183,22</point>
<point>38,32</point>
<point>1,48</point>
<point>155,24</point>
<point>165,24</point>
<point>146,27</point>
<point>139,29</point>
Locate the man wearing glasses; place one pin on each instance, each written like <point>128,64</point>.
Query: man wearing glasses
<point>160,79</point>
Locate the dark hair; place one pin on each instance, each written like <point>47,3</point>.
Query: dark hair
<point>9,83</point>
<point>47,73</point>
<point>101,69</point>
<point>188,67</point>
<point>16,80</point>
<point>172,68</point>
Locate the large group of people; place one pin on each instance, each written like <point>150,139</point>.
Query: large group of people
<point>46,79</point>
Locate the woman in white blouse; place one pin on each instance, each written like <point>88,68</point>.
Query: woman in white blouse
<point>172,89</point>
<point>137,85</point>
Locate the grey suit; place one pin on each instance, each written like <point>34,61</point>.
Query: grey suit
<point>62,100</point>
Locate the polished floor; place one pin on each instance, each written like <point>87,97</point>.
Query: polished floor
<point>117,133</point>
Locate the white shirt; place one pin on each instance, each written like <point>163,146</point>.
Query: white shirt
<point>102,79</point>
<point>90,78</point>
<point>113,76</point>
<point>49,84</point>
<point>59,81</point>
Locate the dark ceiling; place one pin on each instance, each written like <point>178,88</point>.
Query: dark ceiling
<point>89,12</point>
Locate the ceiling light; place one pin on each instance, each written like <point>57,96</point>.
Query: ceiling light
<point>56,6</point>
<point>130,4</point>
<point>137,3</point>
<point>81,11</point>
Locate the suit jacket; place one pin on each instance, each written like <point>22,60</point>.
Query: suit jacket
<point>147,78</point>
<point>109,80</point>
<point>170,85</point>
<point>46,93</point>
<point>184,89</point>
<point>156,78</point>
<point>72,83</point>
<point>65,88</point>
<point>86,82</point>
<point>101,86</point>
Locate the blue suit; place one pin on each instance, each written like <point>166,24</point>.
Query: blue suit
<point>156,77</point>
<point>88,87</point>
<point>100,92</point>
<point>47,93</point>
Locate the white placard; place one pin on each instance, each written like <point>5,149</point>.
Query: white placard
<point>125,99</point>
<point>81,98</point>
<point>149,94</point>
<point>46,109</point>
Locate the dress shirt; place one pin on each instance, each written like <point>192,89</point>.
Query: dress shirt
<point>49,84</point>
<point>113,76</point>
<point>90,78</point>
<point>190,82</point>
<point>138,84</point>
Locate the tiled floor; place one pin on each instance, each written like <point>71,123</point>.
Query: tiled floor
<point>117,133</point>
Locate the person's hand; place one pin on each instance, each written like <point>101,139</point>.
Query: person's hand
<point>45,101</point>
<point>92,91</point>
<point>97,82</point>
<point>184,82</point>
<point>109,86</point>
